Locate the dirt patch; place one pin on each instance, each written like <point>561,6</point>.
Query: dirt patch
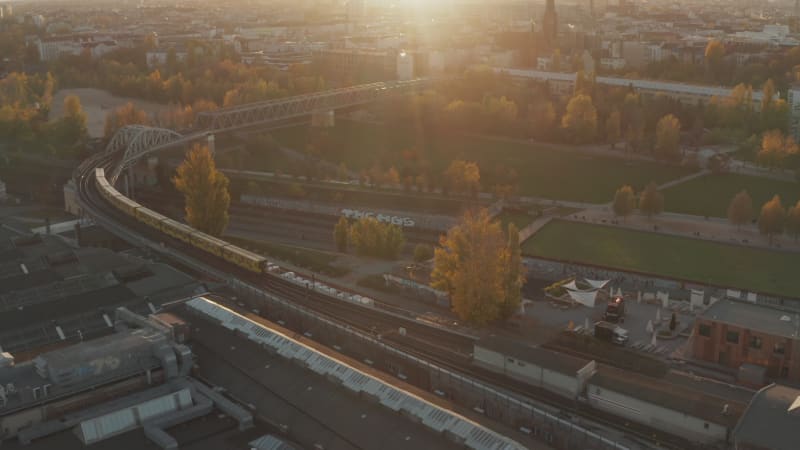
<point>97,103</point>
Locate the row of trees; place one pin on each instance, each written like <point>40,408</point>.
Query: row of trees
<point>486,102</point>
<point>25,120</point>
<point>215,77</point>
<point>369,237</point>
<point>651,201</point>
<point>773,219</point>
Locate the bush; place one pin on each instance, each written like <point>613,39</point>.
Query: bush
<point>423,252</point>
<point>376,281</point>
<point>557,289</point>
<point>373,238</point>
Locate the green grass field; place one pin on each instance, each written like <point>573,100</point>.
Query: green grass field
<point>689,259</point>
<point>711,194</point>
<point>543,172</point>
<point>521,220</point>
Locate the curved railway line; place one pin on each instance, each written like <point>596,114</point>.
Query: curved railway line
<point>443,347</point>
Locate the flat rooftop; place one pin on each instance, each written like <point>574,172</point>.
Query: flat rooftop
<point>215,431</point>
<point>549,359</point>
<point>768,421</point>
<point>755,317</point>
<point>46,283</point>
<point>691,399</point>
<point>319,411</point>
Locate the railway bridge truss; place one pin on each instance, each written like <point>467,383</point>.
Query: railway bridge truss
<point>133,142</point>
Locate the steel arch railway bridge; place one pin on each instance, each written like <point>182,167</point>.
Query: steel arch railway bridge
<point>136,141</point>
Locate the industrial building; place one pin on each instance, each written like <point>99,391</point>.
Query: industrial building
<point>136,377</point>
<point>361,66</point>
<point>53,294</point>
<point>771,420</point>
<point>256,361</point>
<point>742,335</point>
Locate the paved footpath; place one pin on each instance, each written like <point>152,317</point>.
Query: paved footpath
<point>712,229</point>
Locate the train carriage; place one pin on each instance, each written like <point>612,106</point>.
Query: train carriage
<point>208,243</point>
<point>150,217</point>
<point>178,230</point>
<point>244,258</point>
<point>125,204</point>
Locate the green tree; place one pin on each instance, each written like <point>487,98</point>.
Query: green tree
<point>668,138</point>
<point>423,252</point>
<point>370,237</point>
<point>340,231</point>
<point>473,265</point>
<point>613,131</point>
<point>793,220</point>
<point>580,120</point>
<point>772,218</point>
<point>651,200</point>
<point>205,190</point>
<point>392,242</point>
<point>624,201</point>
<point>740,210</point>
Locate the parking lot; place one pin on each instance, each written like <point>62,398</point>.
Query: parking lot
<point>637,316</point>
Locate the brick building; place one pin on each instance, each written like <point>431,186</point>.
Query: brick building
<point>733,333</point>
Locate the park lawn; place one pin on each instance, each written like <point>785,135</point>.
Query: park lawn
<point>710,195</point>
<point>543,172</point>
<point>670,256</point>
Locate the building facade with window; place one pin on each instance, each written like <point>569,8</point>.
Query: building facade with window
<point>732,333</point>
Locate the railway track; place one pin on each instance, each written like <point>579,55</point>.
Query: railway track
<point>363,318</point>
<point>439,346</point>
<point>322,224</point>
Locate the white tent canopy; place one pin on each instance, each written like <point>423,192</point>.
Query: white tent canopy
<point>583,297</point>
<point>586,297</point>
<point>598,284</point>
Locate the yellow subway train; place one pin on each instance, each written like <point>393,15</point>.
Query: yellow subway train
<point>215,246</point>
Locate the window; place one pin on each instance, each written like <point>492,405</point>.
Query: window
<point>755,342</point>
<point>732,337</point>
<point>779,349</point>
<point>704,329</point>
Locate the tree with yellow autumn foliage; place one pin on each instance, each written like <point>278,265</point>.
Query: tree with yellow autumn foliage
<point>205,190</point>
<point>480,269</point>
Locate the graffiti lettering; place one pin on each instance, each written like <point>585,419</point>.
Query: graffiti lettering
<point>396,220</point>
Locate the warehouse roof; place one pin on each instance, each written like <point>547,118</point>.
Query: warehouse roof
<point>124,343</point>
<point>755,317</point>
<point>695,402</point>
<point>771,420</point>
<point>549,359</point>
